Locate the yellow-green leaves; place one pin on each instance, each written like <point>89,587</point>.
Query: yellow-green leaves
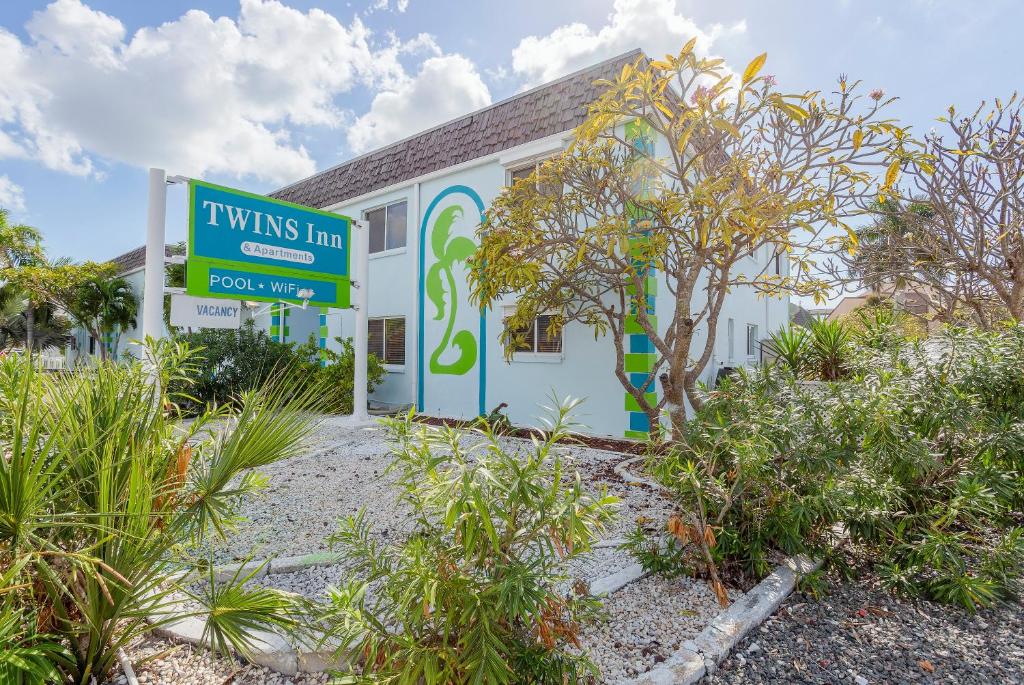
<point>726,126</point>
<point>750,73</point>
<point>891,174</point>
<point>858,138</point>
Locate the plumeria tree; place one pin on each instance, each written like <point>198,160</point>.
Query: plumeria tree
<point>723,167</point>
<point>957,237</point>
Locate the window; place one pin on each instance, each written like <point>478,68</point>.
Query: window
<point>386,339</point>
<point>751,340</point>
<point>524,171</point>
<point>731,334</point>
<point>538,338</point>
<point>388,227</point>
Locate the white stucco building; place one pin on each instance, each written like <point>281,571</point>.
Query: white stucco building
<point>448,361</point>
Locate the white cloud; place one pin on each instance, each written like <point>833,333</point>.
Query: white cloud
<point>656,26</point>
<point>444,88</point>
<point>12,196</point>
<point>196,95</point>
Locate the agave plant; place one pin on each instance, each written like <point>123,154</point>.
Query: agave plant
<point>102,484</point>
<point>830,348</point>
<point>792,347</point>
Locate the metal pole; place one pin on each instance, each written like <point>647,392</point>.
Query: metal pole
<point>362,259</point>
<point>153,293</point>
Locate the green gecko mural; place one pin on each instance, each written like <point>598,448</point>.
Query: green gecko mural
<point>449,251</point>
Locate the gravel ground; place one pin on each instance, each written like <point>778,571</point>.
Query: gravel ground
<point>646,621</point>
<point>187,665</point>
<point>861,634</point>
<point>342,472</point>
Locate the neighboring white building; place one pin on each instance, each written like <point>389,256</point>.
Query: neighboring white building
<point>449,362</point>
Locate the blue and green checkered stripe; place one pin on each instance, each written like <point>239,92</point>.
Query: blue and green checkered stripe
<point>640,353</point>
<point>279,322</point>
<point>323,336</point>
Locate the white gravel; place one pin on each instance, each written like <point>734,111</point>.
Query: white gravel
<point>646,621</point>
<point>342,472</point>
<point>187,665</point>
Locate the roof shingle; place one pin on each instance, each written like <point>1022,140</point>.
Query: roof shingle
<point>549,109</point>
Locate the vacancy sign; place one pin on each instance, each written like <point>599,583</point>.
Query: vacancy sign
<point>205,312</point>
<point>250,247</point>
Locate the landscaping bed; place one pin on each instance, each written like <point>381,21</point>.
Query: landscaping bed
<point>343,471</point>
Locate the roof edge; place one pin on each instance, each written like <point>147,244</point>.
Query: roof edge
<point>635,51</point>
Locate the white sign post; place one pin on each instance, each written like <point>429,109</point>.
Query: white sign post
<point>153,292</point>
<point>361,343</point>
<point>205,312</point>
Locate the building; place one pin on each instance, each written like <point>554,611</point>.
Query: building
<point>447,360</point>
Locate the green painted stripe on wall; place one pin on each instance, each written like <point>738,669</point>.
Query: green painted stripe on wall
<point>639,362</point>
<point>633,405</point>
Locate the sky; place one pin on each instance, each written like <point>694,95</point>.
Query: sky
<point>256,94</point>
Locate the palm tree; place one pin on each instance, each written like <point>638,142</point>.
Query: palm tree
<point>20,246</point>
<point>106,307</point>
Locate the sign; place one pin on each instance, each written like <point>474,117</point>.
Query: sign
<point>205,312</point>
<point>253,247</point>
<point>247,284</point>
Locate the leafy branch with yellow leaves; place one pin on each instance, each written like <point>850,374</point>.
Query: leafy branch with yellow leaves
<point>733,167</point>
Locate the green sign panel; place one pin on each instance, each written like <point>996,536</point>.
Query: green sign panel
<point>250,247</point>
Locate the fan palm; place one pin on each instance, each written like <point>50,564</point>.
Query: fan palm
<point>100,489</point>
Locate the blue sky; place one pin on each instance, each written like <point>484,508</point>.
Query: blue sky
<point>257,93</point>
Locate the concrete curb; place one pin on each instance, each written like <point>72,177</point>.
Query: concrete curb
<point>630,478</point>
<point>276,652</point>
<point>700,656</point>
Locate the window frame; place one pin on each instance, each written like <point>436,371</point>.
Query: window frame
<point>388,366</point>
<point>533,355</point>
<point>752,343</point>
<point>384,207</point>
<point>530,163</point>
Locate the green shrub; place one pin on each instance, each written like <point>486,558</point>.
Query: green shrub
<point>476,593</point>
<point>229,363</point>
<point>100,489</point>
<point>916,454</point>
<point>335,372</point>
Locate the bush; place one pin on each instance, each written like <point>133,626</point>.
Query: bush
<point>101,489</point>
<point>229,363</point>
<point>477,591</point>
<point>917,454</point>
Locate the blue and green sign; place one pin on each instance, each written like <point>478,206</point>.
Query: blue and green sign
<point>252,247</point>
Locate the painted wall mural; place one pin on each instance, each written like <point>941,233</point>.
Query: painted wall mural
<point>459,349</point>
<point>449,251</point>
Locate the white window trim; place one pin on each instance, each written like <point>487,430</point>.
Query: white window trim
<point>389,253</point>
<point>518,165</point>
<point>384,205</point>
<point>751,354</point>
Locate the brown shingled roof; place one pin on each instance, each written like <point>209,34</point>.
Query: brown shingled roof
<point>136,259</point>
<point>552,108</point>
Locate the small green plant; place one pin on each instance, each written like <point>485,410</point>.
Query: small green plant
<point>830,348</point>
<point>101,486</point>
<point>791,346</point>
<point>478,592</point>
<point>497,420</point>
